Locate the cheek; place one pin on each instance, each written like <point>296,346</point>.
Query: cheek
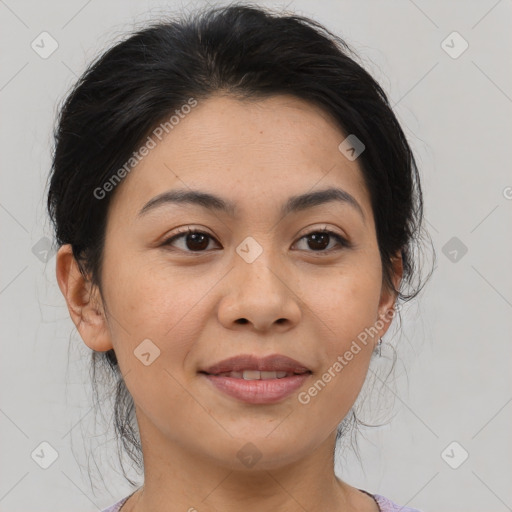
<point>347,304</point>
<point>348,309</point>
<point>155,311</point>
<point>150,293</point>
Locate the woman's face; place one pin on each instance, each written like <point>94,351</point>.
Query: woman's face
<point>252,282</point>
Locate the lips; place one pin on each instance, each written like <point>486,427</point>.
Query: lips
<point>255,380</point>
<point>250,367</point>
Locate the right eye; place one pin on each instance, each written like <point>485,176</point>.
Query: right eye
<point>194,240</point>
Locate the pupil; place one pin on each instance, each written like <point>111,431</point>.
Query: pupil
<point>318,236</point>
<point>195,237</point>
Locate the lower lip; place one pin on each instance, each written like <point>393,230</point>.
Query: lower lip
<point>258,391</point>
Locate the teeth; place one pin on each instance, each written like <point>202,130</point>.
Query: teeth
<point>256,375</point>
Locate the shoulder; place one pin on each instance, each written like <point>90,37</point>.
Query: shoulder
<point>116,506</point>
<point>386,505</point>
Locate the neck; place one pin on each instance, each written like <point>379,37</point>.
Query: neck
<point>176,478</point>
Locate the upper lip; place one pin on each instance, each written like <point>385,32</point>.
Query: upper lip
<point>271,363</point>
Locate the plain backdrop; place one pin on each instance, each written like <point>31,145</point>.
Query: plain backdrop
<point>453,381</point>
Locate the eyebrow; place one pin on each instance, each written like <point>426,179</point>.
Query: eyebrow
<point>216,203</point>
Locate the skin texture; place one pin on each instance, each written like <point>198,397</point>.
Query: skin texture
<point>297,301</point>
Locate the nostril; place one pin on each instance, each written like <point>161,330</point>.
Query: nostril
<point>242,320</point>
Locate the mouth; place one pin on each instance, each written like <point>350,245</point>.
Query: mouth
<point>257,380</point>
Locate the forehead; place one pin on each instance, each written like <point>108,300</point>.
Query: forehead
<point>251,151</point>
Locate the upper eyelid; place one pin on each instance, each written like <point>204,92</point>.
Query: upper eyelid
<point>188,229</point>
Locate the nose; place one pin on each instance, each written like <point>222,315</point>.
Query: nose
<point>260,297</point>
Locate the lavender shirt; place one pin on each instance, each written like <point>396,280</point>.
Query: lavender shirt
<point>384,504</point>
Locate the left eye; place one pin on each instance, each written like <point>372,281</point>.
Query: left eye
<point>319,240</point>
<point>198,241</point>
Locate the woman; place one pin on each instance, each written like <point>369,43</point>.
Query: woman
<point>235,205</point>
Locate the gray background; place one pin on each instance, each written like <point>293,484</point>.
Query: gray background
<point>453,378</point>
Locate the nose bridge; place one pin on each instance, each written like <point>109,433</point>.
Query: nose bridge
<point>257,262</point>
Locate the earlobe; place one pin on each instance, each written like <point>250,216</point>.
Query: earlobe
<point>83,300</point>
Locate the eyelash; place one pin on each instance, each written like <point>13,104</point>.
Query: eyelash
<point>341,241</point>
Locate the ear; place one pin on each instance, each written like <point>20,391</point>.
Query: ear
<point>83,300</point>
<point>388,297</point>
